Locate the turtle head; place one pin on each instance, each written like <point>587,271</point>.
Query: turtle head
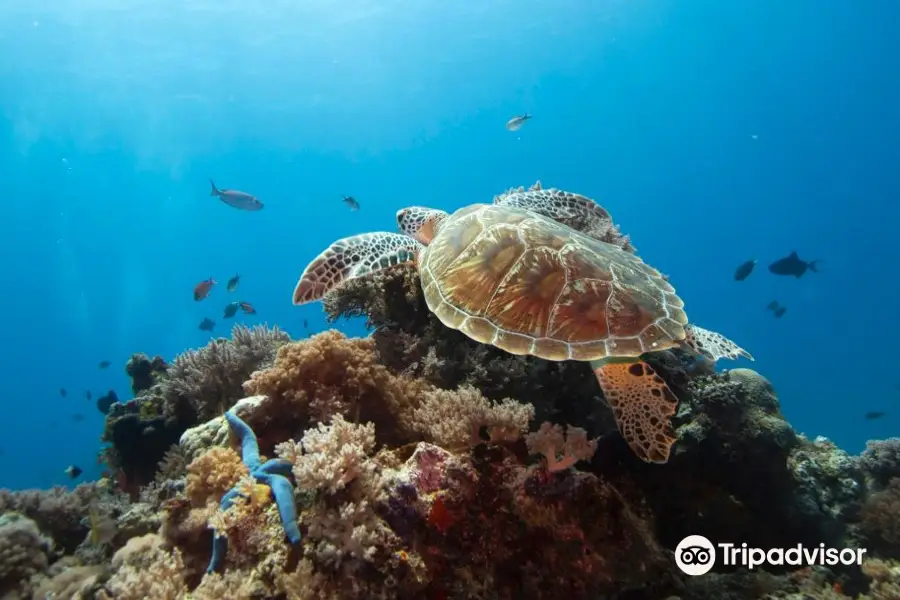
<point>419,222</point>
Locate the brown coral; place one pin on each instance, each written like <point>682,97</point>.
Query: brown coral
<point>880,518</point>
<point>212,474</point>
<point>330,374</point>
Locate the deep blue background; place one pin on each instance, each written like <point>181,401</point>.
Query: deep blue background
<point>115,113</point>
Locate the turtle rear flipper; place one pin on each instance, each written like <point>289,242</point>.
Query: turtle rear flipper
<point>712,345</point>
<point>572,210</point>
<point>352,257</point>
<point>642,404</point>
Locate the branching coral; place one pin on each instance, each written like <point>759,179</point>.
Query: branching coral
<point>454,419</point>
<point>333,461</point>
<point>211,378</point>
<point>561,450</point>
<point>212,474</point>
<point>880,518</point>
<point>330,374</point>
<point>885,576</point>
<point>329,457</point>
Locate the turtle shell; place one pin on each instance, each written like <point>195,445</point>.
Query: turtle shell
<point>530,285</point>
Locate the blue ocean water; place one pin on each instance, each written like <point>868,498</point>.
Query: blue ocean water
<point>713,132</point>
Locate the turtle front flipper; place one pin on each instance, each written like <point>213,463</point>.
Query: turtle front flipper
<point>352,257</point>
<point>642,404</point>
<point>712,345</point>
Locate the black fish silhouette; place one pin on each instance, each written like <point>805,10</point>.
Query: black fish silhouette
<point>793,265</point>
<point>743,271</point>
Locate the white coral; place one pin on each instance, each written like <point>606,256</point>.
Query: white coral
<point>329,457</point>
<point>452,419</point>
<point>561,450</point>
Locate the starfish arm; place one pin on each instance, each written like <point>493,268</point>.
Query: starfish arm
<point>228,498</point>
<point>284,498</point>
<point>219,548</point>
<point>249,446</point>
<point>276,466</point>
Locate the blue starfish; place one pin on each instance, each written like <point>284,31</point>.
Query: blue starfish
<point>272,473</point>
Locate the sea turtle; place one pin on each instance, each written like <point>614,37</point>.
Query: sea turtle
<point>522,281</point>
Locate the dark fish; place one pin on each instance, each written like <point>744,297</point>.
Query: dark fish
<point>236,199</point>
<point>88,395</point>
<point>104,364</point>
<point>78,417</point>
<point>233,283</point>
<point>63,392</point>
<point>779,312</point>
<point>73,471</point>
<point>792,265</point>
<point>773,305</point>
<point>105,402</point>
<point>874,414</point>
<point>207,324</point>
<point>231,309</point>
<point>351,202</point>
<point>743,271</point>
<point>247,308</point>
<point>516,122</point>
<point>201,290</point>
<point>305,324</point>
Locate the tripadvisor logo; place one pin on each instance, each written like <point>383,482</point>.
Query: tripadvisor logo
<point>696,555</point>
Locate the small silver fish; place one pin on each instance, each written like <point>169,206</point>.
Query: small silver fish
<point>236,199</point>
<point>516,122</point>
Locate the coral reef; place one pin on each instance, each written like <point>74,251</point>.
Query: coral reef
<point>417,464</point>
<point>198,385</point>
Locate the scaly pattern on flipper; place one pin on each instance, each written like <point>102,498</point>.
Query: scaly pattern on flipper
<point>642,404</point>
<point>573,210</point>
<point>712,345</point>
<point>352,257</point>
